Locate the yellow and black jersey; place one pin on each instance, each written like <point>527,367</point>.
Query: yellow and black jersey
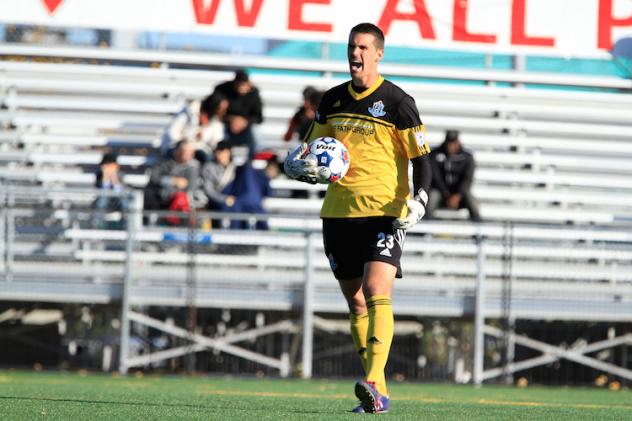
<point>382,130</point>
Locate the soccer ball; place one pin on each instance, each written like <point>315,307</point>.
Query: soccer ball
<point>331,157</point>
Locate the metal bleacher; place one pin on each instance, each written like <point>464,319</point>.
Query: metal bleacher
<point>558,158</point>
<point>553,177</point>
<point>555,153</point>
<point>567,273</point>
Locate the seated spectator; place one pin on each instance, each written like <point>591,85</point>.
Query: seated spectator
<point>249,188</point>
<point>452,176</point>
<point>302,119</point>
<point>108,177</point>
<point>235,189</point>
<point>201,122</point>
<point>245,109</point>
<point>272,168</point>
<point>217,174</point>
<point>269,161</point>
<point>174,181</point>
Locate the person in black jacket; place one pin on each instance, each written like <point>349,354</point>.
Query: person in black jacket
<point>452,176</point>
<point>245,109</point>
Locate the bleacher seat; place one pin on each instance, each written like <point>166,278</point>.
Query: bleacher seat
<point>542,155</point>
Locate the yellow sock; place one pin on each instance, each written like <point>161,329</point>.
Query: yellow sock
<point>359,329</point>
<point>380,336</point>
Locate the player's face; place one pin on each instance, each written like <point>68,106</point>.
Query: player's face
<point>363,56</point>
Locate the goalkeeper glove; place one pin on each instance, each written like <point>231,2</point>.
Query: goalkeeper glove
<point>416,211</point>
<point>300,169</point>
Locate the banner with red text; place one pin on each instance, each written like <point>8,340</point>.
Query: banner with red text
<point>563,27</point>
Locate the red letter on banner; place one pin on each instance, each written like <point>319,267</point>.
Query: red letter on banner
<point>420,15</point>
<point>52,5</point>
<point>518,25</point>
<point>247,17</point>
<point>460,32</point>
<point>296,21</point>
<point>607,22</point>
<point>205,15</point>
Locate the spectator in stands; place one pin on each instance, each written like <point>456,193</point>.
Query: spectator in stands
<point>249,188</point>
<point>108,177</point>
<point>217,174</point>
<point>236,189</point>
<point>272,168</point>
<point>173,181</point>
<point>452,176</point>
<point>302,119</point>
<point>201,122</point>
<point>245,109</point>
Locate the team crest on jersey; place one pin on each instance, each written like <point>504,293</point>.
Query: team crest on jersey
<point>377,110</point>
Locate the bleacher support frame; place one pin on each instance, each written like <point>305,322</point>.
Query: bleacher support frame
<point>551,353</point>
<point>201,343</point>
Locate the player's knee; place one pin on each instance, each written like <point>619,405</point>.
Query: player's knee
<point>357,305</point>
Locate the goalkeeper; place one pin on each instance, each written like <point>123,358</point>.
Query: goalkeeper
<point>366,214</point>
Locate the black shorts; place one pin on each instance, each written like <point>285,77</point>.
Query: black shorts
<point>351,242</point>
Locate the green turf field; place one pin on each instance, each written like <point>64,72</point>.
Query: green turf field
<point>70,396</point>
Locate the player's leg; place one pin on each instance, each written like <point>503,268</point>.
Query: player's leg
<point>382,266</point>
<point>378,284</point>
<point>347,264</point>
<point>358,321</point>
<point>358,316</point>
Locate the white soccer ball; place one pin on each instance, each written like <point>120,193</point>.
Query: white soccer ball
<point>331,157</point>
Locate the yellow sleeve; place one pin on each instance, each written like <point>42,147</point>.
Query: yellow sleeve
<point>411,130</point>
<point>414,141</point>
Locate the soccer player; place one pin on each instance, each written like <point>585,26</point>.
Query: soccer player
<point>365,215</point>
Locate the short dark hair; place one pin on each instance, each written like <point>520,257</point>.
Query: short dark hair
<point>315,97</point>
<point>210,104</point>
<point>308,90</point>
<point>241,75</point>
<point>451,136</point>
<point>221,145</point>
<point>369,28</point>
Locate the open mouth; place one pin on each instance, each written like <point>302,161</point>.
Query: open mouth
<point>355,65</point>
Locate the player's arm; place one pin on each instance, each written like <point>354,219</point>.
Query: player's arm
<point>295,165</point>
<point>422,176</point>
<point>412,132</point>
